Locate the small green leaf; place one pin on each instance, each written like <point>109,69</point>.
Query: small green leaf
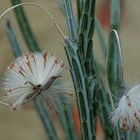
<point>114,65</point>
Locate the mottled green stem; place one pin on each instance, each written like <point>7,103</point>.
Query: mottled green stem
<point>85,53</point>
<point>80,56</point>
<point>80,82</point>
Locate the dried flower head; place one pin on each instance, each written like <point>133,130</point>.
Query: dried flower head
<point>127,114</point>
<point>31,75</point>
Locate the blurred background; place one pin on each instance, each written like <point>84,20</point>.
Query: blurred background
<point>24,124</point>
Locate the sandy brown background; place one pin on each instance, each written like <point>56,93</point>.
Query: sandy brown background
<point>24,124</point>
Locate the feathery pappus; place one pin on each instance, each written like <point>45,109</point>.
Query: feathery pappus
<point>127,114</point>
<point>31,75</point>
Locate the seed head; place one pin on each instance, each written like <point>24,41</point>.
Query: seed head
<point>31,75</point>
<point>127,114</point>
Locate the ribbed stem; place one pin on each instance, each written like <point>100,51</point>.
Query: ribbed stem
<point>77,71</point>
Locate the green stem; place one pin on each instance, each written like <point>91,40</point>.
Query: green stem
<point>43,114</point>
<point>25,27</point>
<point>85,35</point>
<point>80,57</point>
<point>13,40</point>
<point>115,14</point>
<point>80,4</point>
<point>80,83</point>
<point>70,19</point>
<point>66,120</point>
